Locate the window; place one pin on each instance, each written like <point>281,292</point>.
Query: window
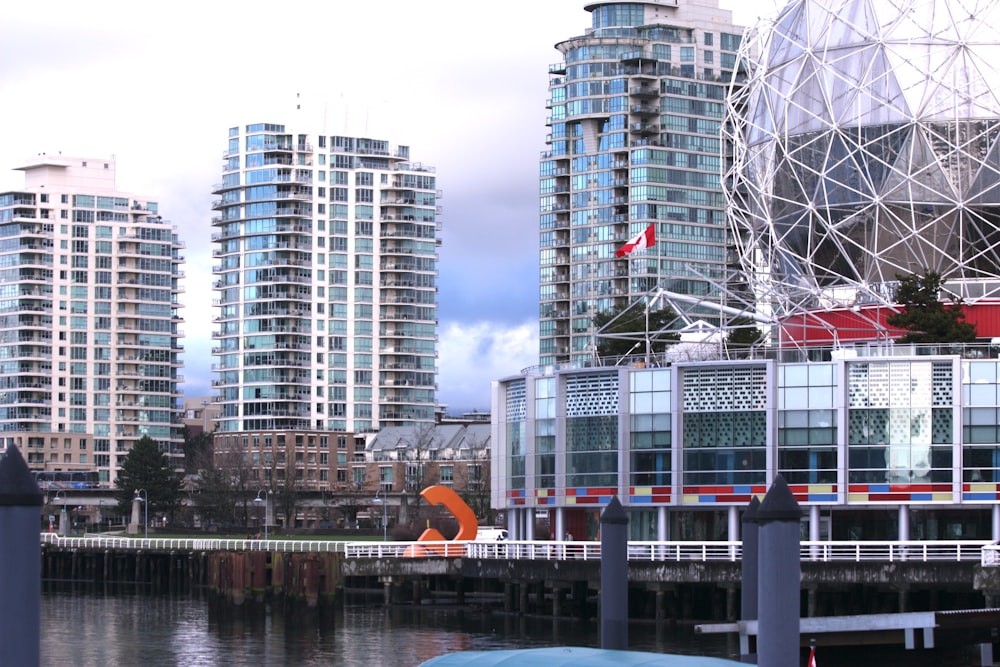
<point>447,475</point>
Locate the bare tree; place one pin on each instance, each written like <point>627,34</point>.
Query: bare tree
<point>421,444</point>
<point>351,499</point>
<point>224,487</point>
<point>286,485</point>
<point>476,490</point>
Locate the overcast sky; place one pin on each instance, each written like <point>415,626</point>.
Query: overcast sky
<point>157,85</point>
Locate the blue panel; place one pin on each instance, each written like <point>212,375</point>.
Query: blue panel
<point>706,499</point>
<point>921,496</point>
<point>641,500</point>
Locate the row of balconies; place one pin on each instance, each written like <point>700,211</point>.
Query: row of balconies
<point>307,247</point>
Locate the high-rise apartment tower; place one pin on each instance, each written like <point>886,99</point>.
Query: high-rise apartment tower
<point>327,284</point>
<point>89,319</point>
<point>635,114</point>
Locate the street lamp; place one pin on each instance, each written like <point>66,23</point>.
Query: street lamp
<point>264,500</point>
<point>143,498</point>
<point>381,501</point>
<point>62,512</point>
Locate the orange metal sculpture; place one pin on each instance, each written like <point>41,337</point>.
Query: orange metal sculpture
<point>467,524</point>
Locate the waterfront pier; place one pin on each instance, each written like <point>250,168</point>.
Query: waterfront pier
<point>668,581</point>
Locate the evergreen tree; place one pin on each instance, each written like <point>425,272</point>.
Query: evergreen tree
<point>198,452</point>
<point>743,333</point>
<point>147,468</point>
<point>627,334</point>
<point>924,316</point>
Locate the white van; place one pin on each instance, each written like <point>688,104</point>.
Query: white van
<point>491,535</point>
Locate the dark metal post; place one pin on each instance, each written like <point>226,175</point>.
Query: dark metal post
<point>20,561</point>
<point>779,577</point>
<point>614,577</point>
<point>748,590</point>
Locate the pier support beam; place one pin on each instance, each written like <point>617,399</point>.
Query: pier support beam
<point>558,594</point>
<point>662,523</point>
<point>749,570</point>
<point>387,591</point>
<point>780,575</point>
<point>20,562</point>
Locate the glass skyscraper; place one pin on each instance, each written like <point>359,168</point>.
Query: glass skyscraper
<point>636,109</point>
<point>327,284</point>
<point>89,319</point>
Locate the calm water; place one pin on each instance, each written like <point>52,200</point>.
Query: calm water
<point>87,629</point>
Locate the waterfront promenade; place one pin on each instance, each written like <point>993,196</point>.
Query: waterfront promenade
<point>667,580</point>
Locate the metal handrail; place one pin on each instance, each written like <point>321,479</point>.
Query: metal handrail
<point>985,552</point>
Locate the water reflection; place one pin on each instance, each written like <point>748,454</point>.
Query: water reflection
<point>94,630</point>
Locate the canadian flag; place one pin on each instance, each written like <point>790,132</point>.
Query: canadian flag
<point>812,657</point>
<point>645,239</point>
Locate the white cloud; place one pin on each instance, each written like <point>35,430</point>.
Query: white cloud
<point>464,85</point>
<point>473,355</point>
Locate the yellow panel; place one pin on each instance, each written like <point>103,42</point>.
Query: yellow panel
<point>642,491</point>
<point>983,488</point>
<point>690,500</point>
<point>857,497</point>
<point>941,496</point>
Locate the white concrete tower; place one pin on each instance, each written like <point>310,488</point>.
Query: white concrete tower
<point>89,318</point>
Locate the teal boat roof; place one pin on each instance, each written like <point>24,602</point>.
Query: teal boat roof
<point>575,656</point>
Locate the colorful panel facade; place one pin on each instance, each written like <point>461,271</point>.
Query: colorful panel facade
<point>855,432</point>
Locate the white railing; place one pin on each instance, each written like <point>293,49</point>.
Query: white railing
<point>896,551</point>
<point>985,552</point>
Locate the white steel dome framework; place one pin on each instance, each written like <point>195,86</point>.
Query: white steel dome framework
<point>866,146</point>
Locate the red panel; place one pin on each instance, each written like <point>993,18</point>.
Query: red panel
<point>707,490</point>
<point>825,327</point>
<point>893,497</point>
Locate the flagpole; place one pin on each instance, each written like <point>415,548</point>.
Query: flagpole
<point>647,331</point>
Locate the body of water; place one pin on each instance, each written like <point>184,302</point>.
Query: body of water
<point>87,629</point>
<point>94,630</point>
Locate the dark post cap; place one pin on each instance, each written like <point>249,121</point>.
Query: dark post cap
<point>614,513</point>
<point>750,513</point>
<point>17,486</point>
<point>779,504</point>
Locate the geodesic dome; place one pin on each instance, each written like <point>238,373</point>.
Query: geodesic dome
<point>866,146</point>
